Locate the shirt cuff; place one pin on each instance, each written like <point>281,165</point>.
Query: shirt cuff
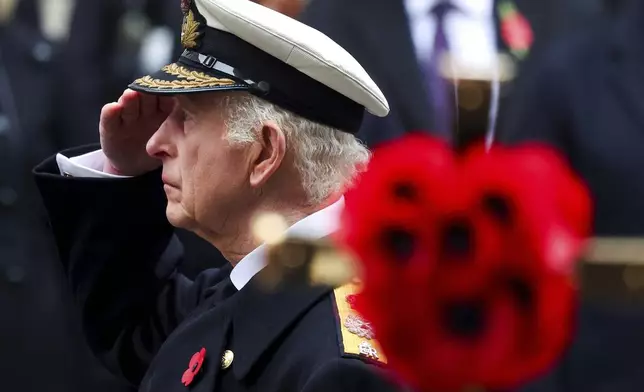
<point>88,165</point>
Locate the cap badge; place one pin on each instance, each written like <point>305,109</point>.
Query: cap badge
<point>189,33</point>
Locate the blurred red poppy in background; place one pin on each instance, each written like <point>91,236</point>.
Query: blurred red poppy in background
<point>467,260</point>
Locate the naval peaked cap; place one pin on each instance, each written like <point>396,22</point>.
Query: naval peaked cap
<point>239,45</point>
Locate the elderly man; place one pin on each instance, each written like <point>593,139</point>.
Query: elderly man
<point>257,115</point>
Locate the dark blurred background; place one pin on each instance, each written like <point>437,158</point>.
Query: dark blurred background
<point>62,60</point>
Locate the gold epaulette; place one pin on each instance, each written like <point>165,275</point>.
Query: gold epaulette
<point>356,334</point>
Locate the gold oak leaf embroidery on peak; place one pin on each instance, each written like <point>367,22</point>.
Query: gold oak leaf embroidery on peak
<point>189,33</point>
<point>187,79</point>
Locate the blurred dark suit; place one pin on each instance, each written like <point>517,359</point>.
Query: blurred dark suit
<point>102,53</point>
<point>104,47</point>
<point>586,98</point>
<point>377,33</point>
<point>40,349</point>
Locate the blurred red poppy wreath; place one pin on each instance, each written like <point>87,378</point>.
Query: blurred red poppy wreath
<point>468,260</point>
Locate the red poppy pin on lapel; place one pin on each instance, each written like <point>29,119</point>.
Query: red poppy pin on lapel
<point>196,362</point>
<point>515,29</point>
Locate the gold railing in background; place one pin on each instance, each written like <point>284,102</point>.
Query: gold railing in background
<point>611,270</point>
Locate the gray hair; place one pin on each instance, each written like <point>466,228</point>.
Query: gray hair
<point>326,158</point>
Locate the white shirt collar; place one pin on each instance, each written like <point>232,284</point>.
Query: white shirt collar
<point>317,225</point>
<point>473,8</point>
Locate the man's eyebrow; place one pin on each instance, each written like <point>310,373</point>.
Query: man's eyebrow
<point>197,102</point>
<point>188,103</point>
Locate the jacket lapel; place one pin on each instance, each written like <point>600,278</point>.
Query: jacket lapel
<point>261,315</point>
<point>208,330</point>
<point>504,48</point>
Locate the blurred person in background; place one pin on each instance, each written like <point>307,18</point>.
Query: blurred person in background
<point>109,42</point>
<point>399,42</point>
<point>585,97</point>
<point>614,7</point>
<point>40,350</point>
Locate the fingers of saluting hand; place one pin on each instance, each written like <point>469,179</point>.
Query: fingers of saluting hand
<point>134,106</point>
<point>148,105</point>
<point>111,114</point>
<point>131,106</point>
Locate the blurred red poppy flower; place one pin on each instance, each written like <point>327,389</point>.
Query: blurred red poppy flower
<point>467,260</point>
<point>516,31</point>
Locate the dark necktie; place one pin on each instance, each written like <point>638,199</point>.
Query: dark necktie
<point>441,90</point>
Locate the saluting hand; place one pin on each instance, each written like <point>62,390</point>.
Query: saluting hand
<point>125,128</point>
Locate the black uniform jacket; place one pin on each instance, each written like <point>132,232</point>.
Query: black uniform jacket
<point>146,321</point>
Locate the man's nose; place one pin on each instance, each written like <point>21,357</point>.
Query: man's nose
<point>159,144</point>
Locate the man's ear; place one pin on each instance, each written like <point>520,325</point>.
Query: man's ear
<point>268,154</point>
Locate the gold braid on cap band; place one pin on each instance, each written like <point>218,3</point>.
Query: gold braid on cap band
<point>187,79</point>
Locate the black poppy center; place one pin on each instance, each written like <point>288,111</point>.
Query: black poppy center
<point>405,191</point>
<point>400,243</point>
<point>458,239</point>
<point>465,319</point>
<point>522,292</point>
<point>499,207</point>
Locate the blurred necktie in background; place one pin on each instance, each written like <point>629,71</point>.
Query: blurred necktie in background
<point>441,91</point>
